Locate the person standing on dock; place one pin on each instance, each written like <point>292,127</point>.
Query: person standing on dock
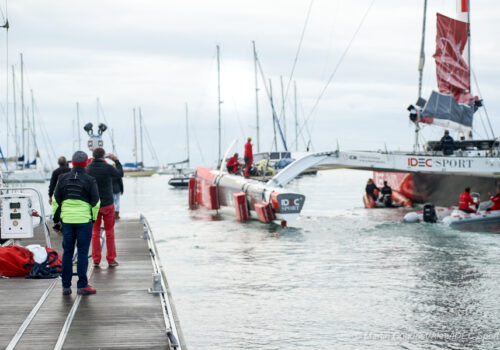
<point>104,174</point>
<point>63,168</point>
<point>117,192</point>
<point>75,205</point>
<point>248,156</point>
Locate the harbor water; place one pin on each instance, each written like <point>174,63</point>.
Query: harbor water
<point>341,277</point>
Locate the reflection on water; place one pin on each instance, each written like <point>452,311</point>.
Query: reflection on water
<point>341,277</point>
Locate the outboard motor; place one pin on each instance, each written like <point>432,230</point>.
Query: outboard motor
<point>429,213</point>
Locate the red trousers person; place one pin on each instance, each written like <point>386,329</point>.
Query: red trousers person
<point>106,214</point>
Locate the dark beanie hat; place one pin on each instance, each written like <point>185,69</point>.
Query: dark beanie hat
<point>79,159</point>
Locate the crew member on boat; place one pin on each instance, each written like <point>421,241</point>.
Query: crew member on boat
<point>465,201</point>
<point>232,164</point>
<point>370,189</point>
<point>495,199</point>
<point>386,192</point>
<point>447,144</point>
<point>248,156</point>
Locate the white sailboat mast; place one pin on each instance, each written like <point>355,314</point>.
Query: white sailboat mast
<point>33,123</point>
<point>140,137</point>
<point>187,135</point>
<point>16,141</point>
<point>283,106</point>
<point>275,140</point>
<point>22,109</point>
<point>463,14</point>
<point>135,140</point>
<point>295,114</point>
<point>421,64</point>
<point>256,96</point>
<point>219,103</point>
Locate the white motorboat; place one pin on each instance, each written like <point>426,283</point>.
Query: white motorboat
<point>458,217</point>
<point>418,216</point>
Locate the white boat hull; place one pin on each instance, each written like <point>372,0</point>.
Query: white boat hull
<point>458,217</point>
<point>24,176</point>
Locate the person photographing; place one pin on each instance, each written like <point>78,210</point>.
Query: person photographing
<point>104,174</point>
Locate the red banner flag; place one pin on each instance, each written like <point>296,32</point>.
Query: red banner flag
<point>451,69</point>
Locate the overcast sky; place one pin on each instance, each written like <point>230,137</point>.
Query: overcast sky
<point>159,55</point>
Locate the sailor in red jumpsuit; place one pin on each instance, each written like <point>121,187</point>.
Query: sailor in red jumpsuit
<point>232,164</point>
<point>465,200</point>
<point>496,200</point>
<point>248,156</point>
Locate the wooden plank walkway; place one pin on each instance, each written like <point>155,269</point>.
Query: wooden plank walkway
<point>122,315</point>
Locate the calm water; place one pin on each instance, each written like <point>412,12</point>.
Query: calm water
<point>342,278</point>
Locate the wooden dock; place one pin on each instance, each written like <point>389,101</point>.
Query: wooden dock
<point>122,315</point>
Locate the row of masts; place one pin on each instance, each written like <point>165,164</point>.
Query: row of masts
<point>26,125</point>
<point>269,91</point>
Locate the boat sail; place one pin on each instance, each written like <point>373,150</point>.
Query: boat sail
<point>454,105</point>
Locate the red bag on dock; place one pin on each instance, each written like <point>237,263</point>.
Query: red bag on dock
<point>59,257</point>
<point>12,260</point>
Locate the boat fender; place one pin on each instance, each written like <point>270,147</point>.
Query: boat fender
<point>411,217</point>
<point>241,206</point>
<point>274,201</point>
<point>214,197</point>
<point>192,193</point>
<point>264,212</point>
<point>429,213</point>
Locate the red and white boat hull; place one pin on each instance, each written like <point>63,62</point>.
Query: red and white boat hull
<point>213,189</point>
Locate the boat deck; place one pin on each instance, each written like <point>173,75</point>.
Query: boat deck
<point>122,315</point>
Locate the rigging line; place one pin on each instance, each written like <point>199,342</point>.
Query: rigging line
<point>482,123</point>
<point>340,61</point>
<point>298,49</point>
<point>484,106</point>
<point>293,143</point>
<point>110,135</point>
<point>193,130</point>
<point>306,142</point>
<point>150,144</point>
<point>276,121</point>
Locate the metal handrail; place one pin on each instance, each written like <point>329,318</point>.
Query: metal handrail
<point>174,334</point>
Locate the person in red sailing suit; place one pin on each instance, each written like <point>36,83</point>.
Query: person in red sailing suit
<point>232,164</point>
<point>465,201</point>
<point>495,199</point>
<point>248,156</point>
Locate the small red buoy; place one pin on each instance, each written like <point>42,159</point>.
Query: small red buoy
<point>283,223</point>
